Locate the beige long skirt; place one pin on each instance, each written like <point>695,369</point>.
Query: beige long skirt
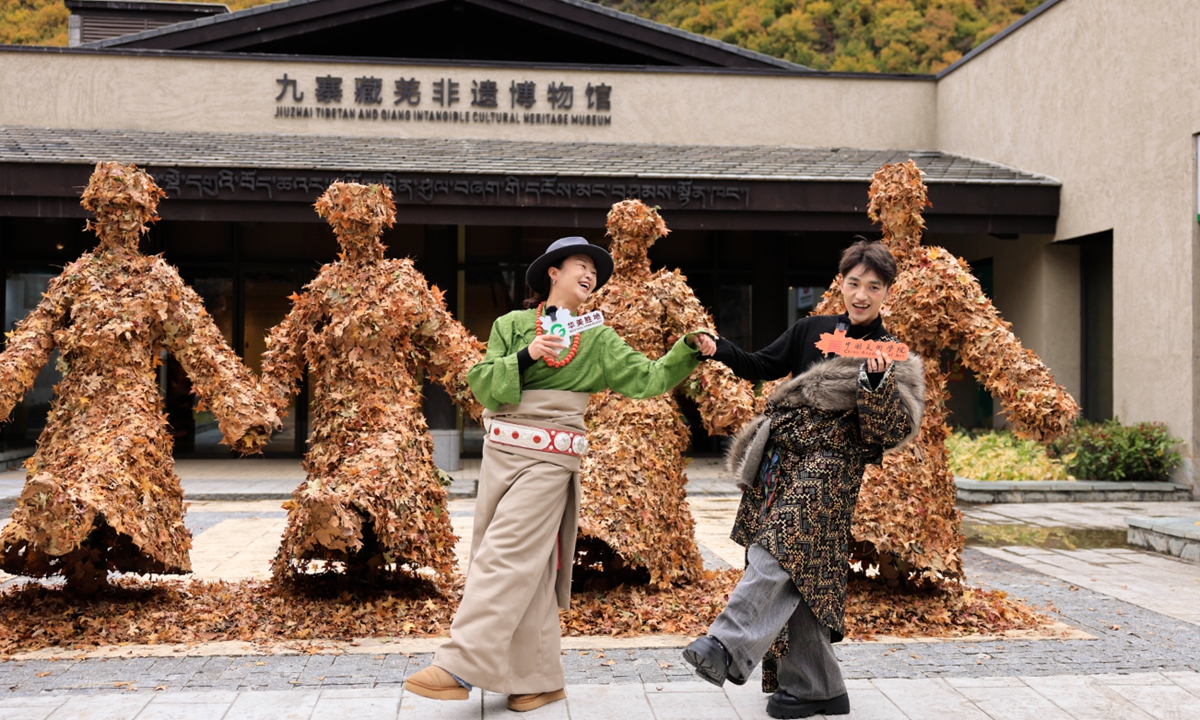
<point>506,635</point>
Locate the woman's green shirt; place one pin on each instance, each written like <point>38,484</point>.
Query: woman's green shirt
<point>604,362</point>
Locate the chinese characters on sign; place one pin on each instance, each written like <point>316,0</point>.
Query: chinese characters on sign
<point>529,102</point>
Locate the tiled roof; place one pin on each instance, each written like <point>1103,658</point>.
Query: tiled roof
<point>581,4</point>
<point>488,157</point>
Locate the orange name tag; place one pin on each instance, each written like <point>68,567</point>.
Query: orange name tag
<point>839,344</point>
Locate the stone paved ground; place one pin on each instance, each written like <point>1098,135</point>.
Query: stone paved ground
<point>1142,659</point>
<point>1127,639</point>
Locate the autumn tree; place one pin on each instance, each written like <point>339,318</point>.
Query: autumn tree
<point>894,36</point>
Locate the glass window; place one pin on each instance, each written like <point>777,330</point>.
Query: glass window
<point>22,293</point>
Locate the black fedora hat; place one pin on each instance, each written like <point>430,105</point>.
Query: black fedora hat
<point>537,275</point>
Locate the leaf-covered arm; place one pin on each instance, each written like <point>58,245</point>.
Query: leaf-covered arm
<point>30,344</point>
<point>725,402</point>
<point>283,360</point>
<point>218,376</point>
<point>951,312</point>
<point>451,350</point>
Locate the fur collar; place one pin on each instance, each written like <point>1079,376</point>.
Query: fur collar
<point>827,385</point>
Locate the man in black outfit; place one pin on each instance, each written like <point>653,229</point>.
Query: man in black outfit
<point>800,467</point>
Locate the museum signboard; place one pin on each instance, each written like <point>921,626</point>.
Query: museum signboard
<point>486,98</point>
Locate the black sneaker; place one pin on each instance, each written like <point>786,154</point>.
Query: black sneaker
<point>711,661</point>
<point>782,705</point>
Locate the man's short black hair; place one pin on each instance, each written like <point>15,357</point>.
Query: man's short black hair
<point>871,253</point>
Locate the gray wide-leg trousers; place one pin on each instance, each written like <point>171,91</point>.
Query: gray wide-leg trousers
<point>763,602</point>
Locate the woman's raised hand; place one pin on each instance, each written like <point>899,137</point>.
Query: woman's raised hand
<point>546,346</point>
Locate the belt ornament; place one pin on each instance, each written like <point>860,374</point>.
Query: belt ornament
<point>561,442</point>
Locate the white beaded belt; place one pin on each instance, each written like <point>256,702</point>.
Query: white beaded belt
<point>562,442</point>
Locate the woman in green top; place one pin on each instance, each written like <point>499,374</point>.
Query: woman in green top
<point>505,637</point>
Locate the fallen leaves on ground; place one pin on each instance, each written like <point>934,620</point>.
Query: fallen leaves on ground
<point>629,610</point>
<point>872,609</point>
<point>35,616</point>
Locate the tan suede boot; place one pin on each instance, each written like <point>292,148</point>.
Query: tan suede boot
<point>523,703</point>
<point>437,684</point>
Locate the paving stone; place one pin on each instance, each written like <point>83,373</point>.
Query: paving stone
<point>701,701</point>
<point>120,707</point>
<point>1084,697</point>
<point>1161,701</point>
<point>25,713</point>
<point>609,702</point>
<point>920,699</point>
<point>414,707</point>
<point>1010,702</point>
<point>274,705</point>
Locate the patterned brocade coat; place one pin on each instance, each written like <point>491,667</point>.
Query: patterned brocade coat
<point>801,465</point>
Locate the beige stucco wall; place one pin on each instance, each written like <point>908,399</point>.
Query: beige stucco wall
<point>1104,95</point>
<point>1037,289</point>
<point>236,95</point>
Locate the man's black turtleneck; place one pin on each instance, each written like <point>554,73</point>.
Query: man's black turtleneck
<point>795,350</point>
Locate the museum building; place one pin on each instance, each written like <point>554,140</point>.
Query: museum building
<point>1060,159</point>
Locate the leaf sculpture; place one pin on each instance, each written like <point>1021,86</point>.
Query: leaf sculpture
<point>367,327</point>
<point>102,493</point>
<point>634,514</point>
<point>906,520</point>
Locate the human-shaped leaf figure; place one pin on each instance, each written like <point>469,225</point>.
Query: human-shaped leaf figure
<point>367,327</point>
<point>101,492</point>
<point>634,513</point>
<point>906,521</point>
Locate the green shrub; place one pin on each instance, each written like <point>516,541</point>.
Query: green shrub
<point>1001,455</point>
<point>1144,452</point>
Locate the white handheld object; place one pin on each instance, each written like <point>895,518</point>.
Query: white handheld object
<point>566,326</point>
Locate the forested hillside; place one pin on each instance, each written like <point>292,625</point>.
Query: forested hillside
<point>854,35</point>
<point>44,22</point>
<point>898,36</point>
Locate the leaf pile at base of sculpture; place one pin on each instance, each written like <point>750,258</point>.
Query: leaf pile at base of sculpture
<point>906,523</point>
<point>634,519</point>
<point>368,329</point>
<point>134,611</point>
<point>34,616</point>
<point>873,609</point>
<point>102,494</point>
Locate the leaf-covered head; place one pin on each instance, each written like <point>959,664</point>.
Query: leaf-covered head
<point>633,226</point>
<point>898,198</point>
<point>358,214</point>
<point>124,200</point>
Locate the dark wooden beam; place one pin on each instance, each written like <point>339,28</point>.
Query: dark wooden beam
<point>219,194</point>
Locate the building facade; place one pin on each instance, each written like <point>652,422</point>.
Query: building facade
<point>1060,158</point>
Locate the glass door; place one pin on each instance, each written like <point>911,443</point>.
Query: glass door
<point>265,298</point>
